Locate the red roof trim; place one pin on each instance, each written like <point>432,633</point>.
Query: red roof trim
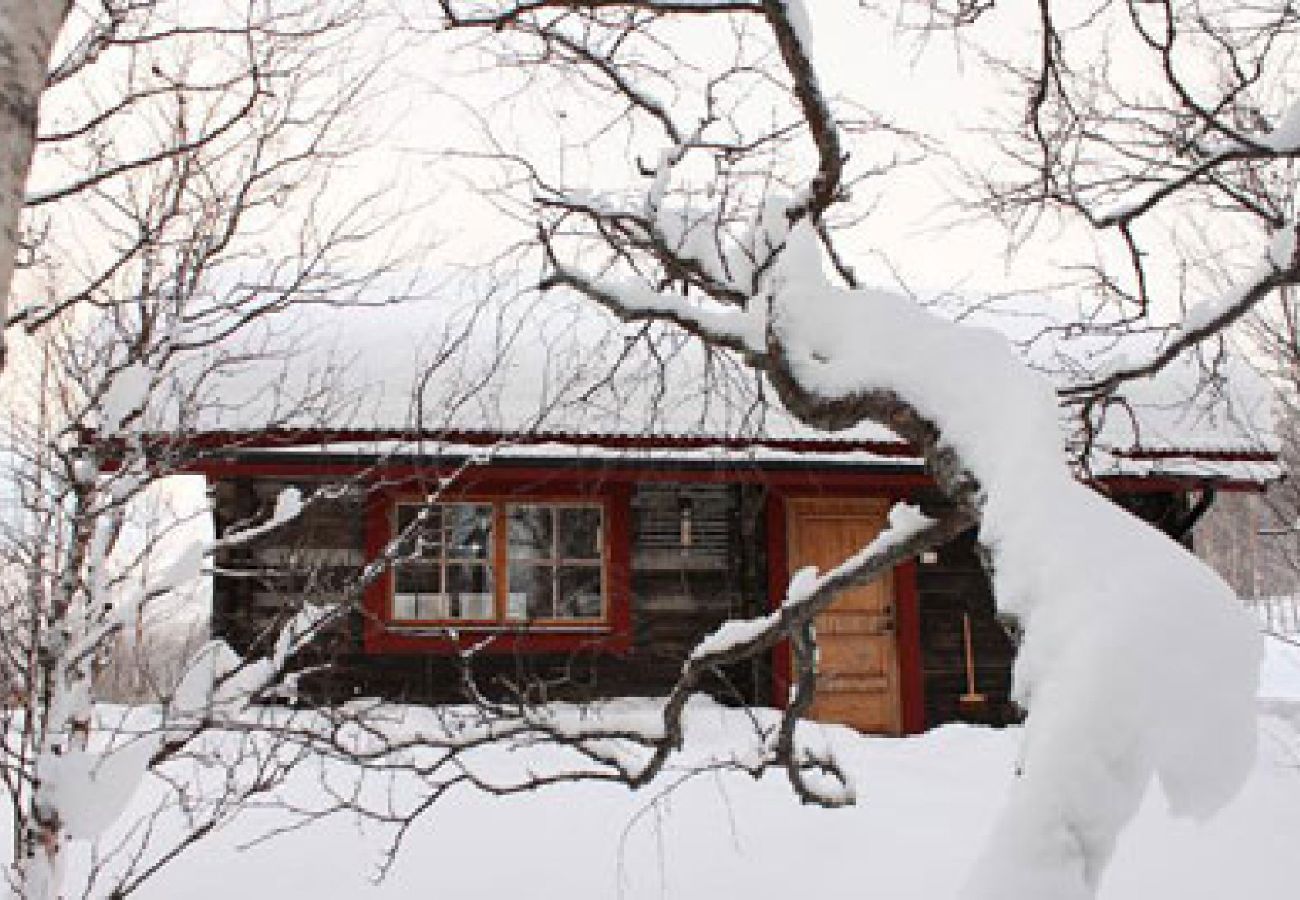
<point>218,440</point>
<point>285,438</point>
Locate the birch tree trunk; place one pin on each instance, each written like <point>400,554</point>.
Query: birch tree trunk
<point>28,29</point>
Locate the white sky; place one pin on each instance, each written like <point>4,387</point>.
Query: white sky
<point>932,89</point>
<point>940,88</point>
<point>428,99</point>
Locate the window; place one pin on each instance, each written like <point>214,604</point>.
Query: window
<point>553,554</point>
<point>499,562</point>
<point>445,569</point>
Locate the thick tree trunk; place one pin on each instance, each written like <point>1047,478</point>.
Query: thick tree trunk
<point>28,29</point>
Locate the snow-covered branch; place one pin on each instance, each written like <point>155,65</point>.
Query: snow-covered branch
<point>738,330</point>
<point>1280,268</point>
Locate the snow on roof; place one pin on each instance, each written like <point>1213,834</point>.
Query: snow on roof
<point>558,368</point>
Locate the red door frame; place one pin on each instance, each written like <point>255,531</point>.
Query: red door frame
<point>906,605</point>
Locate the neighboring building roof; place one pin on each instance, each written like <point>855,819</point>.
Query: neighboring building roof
<point>561,373</point>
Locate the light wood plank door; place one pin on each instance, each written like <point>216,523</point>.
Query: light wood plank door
<point>857,682</point>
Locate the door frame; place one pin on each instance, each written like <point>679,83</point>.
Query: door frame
<point>907,634</point>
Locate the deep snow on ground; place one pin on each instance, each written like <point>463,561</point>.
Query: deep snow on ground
<point>925,804</point>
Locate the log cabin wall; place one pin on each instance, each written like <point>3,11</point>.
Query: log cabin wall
<point>258,583</point>
<point>951,586</point>
<point>698,559</point>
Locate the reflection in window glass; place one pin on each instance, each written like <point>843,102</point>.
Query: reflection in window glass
<point>405,606</point>
<point>555,562</point>
<point>445,570</point>
<point>532,532</point>
<point>532,591</point>
<point>579,532</point>
<point>579,592</point>
<point>467,530</point>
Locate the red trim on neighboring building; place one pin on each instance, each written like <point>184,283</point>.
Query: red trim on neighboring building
<point>1156,484</point>
<point>908,630</point>
<point>1206,455</point>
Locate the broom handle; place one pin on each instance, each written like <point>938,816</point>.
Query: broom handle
<point>970,654</point>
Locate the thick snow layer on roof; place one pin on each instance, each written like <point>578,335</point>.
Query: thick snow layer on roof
<point>557,366</point>
<point>1207,399</point>
<point>542,364</point>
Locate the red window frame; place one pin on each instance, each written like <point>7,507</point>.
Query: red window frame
<point>381,634</point>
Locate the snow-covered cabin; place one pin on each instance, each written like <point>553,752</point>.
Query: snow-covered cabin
<point>581,502</point>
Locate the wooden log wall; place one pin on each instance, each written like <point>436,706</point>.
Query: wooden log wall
<point>699,559</point>
<point>952,588</point>
<point>315,558</point>
<point>686,580</point>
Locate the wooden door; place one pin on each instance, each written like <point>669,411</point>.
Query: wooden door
<point>857,681</point>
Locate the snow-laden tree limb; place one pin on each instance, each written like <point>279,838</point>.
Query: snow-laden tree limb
<point>1279,269</point>
<point>1091,589</point>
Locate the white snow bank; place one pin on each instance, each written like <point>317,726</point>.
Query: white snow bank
<point>925,808</point>
<point>91,790</point>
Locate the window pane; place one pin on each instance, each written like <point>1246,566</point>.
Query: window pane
<point>579,532</point>
<point>469,588</point>
<point>417,578</point>
<point>516,605</point>
<point>468,530</point>
<point>447,572</point>
<point>532,532</point>
<point>424,540</point>
<point>434,606</point>
<point>404,606</point>
<point>531,594</point>
<point>420,607</point>
<point>579,588</point>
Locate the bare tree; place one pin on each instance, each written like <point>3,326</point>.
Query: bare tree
<point>184,193</point>
<point>735,196</point>
<point>1136,116</point>
<point>127,92</point>
<point>28,32</point>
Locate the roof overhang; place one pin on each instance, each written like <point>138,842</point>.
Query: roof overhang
<point>340,450</point>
